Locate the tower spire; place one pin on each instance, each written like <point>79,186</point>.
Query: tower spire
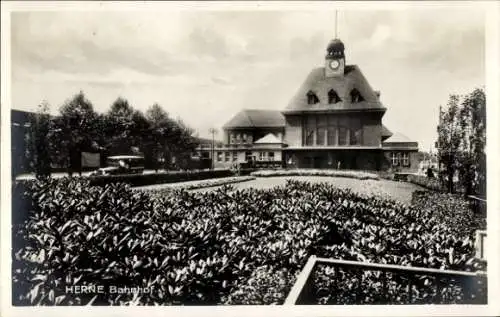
<point>336,24</point>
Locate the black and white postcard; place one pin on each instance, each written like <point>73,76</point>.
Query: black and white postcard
<point>250,158</point>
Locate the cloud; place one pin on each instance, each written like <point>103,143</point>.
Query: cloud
<point>217,62</point>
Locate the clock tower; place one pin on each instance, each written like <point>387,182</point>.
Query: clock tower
<point>335,59</point>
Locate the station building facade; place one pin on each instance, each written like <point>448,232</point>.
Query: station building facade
<point>334,121</point>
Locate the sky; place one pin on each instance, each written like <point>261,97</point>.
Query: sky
<point>205,66</point>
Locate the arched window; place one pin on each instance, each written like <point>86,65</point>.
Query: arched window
<point>312,98</point>
<point>356,96</point>
<point>333,97</point>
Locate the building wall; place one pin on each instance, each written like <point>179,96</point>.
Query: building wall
<point>366,126</point>
<point>372,130</point>
<point>241,156</point>
<point>334,159</point>
<point>293,130</point>
<point>252,134</point>
<point>413,161</point>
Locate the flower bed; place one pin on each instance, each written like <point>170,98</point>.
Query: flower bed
<point>314,172</point>
<point>219,247</point>
<point>198,184</point>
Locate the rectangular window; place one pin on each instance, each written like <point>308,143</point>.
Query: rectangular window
<point>270,156</point>
<point>248,156</point>
<point>235,156</point>
<point>321,130</point>
<point>309,130</point>
<point>355,131</point>
<point>332,130</point>
<point>406,159</point>
<point>228,155</point>
<point>244,138</point>
<point>343,135</point>
<point>395,159</point>
<point>262,156</point>
<point>219,156</point>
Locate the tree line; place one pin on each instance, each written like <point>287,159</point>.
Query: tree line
<point>462,141</point>
<point>165,142</point>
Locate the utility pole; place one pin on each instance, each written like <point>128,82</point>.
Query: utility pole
<point>213,131</point>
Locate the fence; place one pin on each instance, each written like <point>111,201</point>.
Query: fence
<point>472,285</point>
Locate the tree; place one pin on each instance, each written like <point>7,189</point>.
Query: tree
<point>77,128</point>
<point>169,140</point>
<point>119,126</point>
<point>37,141</point>
<point>473,159</point>
<point>157,140</point>
<point>461,142</point>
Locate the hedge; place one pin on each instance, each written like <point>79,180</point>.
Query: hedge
<point>315,172</point>
<point>426,182</point>
<point>154,179</point>
<point>219,247</point>
<point>453,210</point>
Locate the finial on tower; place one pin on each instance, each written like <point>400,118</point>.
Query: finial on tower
<point>336,24</point>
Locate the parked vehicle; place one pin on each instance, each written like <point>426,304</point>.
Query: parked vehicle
<point>121,164</point>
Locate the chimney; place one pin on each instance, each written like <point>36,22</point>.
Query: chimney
<point>377,92</point>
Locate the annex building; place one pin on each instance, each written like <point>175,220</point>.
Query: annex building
<point>334,120</point>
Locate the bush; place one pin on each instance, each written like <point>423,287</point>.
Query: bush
<point>153,179</point>
<point>313,172</point>
<point>217,247</point>
<point>452,210</point>
<point>426,182</point>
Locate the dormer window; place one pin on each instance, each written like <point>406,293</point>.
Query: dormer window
<point>356,96</point>
<point>312,98</point>
<point>333,97</point>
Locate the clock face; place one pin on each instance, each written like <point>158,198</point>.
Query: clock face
<point>334,64</point>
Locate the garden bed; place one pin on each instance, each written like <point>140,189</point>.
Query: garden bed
<point>316,172</point>
<point>220,247</point>
<point>196,184</point>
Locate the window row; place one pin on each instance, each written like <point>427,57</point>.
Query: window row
<point>226,156</point>
<point>243,138</point>
<point>249,156</point>
<point>332,130</point>
<point>238,138</point>
<point>333,97</point>
<point>400,159</point>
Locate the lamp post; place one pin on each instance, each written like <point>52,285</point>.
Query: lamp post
<point>213,131</point>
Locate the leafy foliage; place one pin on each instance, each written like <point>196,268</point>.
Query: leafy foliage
<point>224,246</point>
<point>426,182</point>
<point>461,142</point>
<point>37,142</point>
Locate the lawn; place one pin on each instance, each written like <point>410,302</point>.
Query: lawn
<point>400,191</point>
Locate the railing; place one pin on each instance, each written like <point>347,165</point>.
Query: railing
<point>478,204</point>
<point>471,286</point>
<point>481,244</point>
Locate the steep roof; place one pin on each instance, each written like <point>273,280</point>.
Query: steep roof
<point>268,139</point>
<point>386,132</point>
<point>253,118</point>
<point>318,83</point>
<point>398,138</point>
